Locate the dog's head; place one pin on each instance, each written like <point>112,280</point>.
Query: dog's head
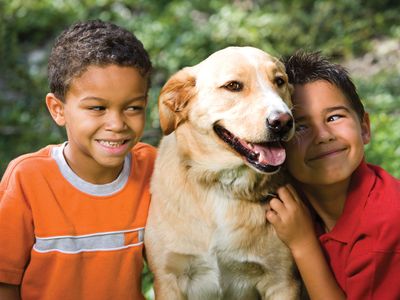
<point>235,106</point>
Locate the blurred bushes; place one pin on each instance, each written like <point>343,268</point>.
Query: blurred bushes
<point>381,94</point>
<point>180,33</point>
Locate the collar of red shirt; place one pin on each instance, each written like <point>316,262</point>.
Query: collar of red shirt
<point>361,185</point>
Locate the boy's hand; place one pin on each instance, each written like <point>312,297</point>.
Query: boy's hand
<point>291,219</point>
<point>293,224</point>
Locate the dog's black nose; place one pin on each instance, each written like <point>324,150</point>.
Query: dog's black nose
<point>280,123</point>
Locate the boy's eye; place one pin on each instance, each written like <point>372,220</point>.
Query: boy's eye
<point>135,108</point>
<point>334,118</point>
<point>97,108</point>
<point>300,127</point>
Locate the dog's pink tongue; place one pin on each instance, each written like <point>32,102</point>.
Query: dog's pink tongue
<point>273,154</point>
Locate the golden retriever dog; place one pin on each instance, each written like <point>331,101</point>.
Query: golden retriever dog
<point>206,235</point>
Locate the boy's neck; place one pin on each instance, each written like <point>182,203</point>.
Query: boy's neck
<point>328,201</point>
<point>99,177</point>
<point>90,171</point>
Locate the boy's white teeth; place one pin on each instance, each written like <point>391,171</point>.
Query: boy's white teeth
<point>111,144</point>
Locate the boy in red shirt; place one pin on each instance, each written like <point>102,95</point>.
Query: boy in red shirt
<point>72,216</point>
<point>355,206</point>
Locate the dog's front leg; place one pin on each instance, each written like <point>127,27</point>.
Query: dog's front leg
<point>194,277</point>
<point>166,288</point>
<point>289,290</point>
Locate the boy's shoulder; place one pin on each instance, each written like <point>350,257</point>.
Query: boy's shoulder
<point>373,180</point>
<point>29,163</point>
<point>144,151</point>
<point>143,159</point>
<point>388,179</point>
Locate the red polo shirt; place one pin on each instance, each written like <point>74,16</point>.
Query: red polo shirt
<point>363,248</point>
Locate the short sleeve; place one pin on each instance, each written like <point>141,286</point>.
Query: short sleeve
<point>16,228</point>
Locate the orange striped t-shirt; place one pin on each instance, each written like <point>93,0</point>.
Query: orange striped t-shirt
<point>64,238</point>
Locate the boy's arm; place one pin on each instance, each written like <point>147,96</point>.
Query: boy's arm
<point>293,224</point>
<point>9,292</point>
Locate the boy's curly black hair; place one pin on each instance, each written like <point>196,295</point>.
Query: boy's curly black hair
<point>97,43</point>
<point>305,67</point>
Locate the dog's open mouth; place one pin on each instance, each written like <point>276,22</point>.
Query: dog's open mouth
<point>266,157</point>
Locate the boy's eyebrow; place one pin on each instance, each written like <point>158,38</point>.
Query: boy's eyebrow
<point>301,118</point>
<point>327,110</point>
<point>339,107</point>
<point>141,97</point>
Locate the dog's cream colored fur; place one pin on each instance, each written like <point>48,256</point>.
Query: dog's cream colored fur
<point>206,236</point>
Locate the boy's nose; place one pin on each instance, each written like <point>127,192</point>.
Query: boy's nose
<point>115,122</point>
<point>323,134</point>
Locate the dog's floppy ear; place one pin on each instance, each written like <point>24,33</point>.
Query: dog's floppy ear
<point>174,99</point>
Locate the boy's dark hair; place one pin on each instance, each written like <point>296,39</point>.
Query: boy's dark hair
<point>97,43</point>
<point>305,67</point>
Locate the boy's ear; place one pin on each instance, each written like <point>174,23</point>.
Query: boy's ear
<point>56,108</point>
<point>366,129</point>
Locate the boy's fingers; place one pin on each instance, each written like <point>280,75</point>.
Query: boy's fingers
<point>285,195</point>
<point>293,192</point>
<point>288,195</point>
<point>276,205</point>
<point>272,216</point>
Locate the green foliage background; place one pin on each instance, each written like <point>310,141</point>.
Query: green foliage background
<point>364,35</point>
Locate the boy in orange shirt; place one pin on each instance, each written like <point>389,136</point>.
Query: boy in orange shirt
<point>355,206</point>
<point>72,216</point>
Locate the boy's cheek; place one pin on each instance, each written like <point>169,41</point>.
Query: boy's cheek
<point>294,151</point>
<point>293,145</point>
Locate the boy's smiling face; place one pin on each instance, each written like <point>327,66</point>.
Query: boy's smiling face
<point>104,115</point>
<point>329,141</point>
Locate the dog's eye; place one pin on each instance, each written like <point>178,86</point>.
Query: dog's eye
<point>279,81</point>
<point>234,86</point>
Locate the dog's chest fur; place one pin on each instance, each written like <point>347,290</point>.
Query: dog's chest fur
<point>226,248</point>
